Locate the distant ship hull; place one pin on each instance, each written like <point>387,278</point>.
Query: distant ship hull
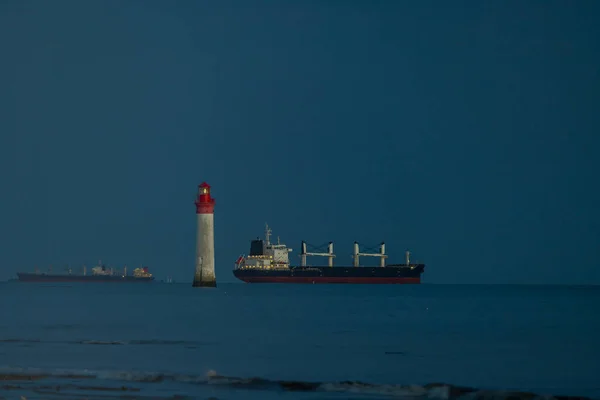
<point>33,277</point>
<point>343,275</point>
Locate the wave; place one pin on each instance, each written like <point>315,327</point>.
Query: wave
<point>432,391</point>
<point>155,342</point>
<point>61,327</point>
<point>111,342</point>
<point>105,342</point>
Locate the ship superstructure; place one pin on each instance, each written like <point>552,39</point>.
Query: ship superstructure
<point>265,255</point>
<point>269,263</point>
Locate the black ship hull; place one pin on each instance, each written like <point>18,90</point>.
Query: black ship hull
<point>400,274</point>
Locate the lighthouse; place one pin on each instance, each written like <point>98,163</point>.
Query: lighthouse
<point>204,275</point>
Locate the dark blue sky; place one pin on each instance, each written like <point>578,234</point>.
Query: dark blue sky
<point>467,132</point>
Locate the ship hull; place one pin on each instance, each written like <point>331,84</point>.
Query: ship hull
<point>333,275</point>
<point>32,277</point>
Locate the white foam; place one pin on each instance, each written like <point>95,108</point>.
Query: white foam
<point>437,392</point>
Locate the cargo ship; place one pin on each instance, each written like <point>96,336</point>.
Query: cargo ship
<point>269,263</point>
<point>100,273</point>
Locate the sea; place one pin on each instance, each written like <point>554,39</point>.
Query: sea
<point>278,341</point>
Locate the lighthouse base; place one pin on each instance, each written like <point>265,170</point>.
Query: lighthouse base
<point>204,283</point>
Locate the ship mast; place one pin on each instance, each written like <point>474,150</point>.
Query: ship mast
<point>267,234</point>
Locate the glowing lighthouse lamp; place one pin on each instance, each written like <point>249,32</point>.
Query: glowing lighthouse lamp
<point>204,275</point>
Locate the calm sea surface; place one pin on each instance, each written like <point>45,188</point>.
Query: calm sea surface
<point>167,340</point>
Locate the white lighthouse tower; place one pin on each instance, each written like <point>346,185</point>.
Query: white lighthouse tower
<point>205,238</point>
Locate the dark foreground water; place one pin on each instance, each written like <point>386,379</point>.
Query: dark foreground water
<point>243,341</point>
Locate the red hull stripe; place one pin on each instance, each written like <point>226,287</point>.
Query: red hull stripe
<point>299,279</point>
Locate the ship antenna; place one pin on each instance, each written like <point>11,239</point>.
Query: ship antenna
<point>267,234</point>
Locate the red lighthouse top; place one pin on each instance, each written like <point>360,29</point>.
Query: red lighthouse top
<point>204,203</point>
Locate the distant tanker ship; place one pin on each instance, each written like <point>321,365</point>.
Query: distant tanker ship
<point>269,263</point>
<point>99,274</point>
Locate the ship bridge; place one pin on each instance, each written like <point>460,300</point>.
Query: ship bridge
<point>264,254</point>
